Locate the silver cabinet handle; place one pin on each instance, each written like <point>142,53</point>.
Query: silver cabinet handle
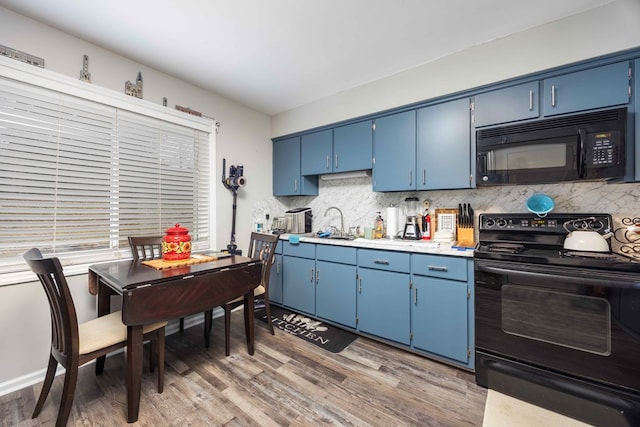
<point>360,285</point>
<point>410,177</point>
<point>277,267</point>
<point>295,185</point>
<point>336,161</point>
<point>327,162</point>
<point>531,100</point>
<point>317,276</point>
<point>553,95</point>
<point>437,268</point>
<point>312,275</point>
<point>381,261</point>
<point>424,176</point>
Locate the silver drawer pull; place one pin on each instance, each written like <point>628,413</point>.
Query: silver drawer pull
<point>437,268</point>
<point>381,261</point>
<point>189,276</point>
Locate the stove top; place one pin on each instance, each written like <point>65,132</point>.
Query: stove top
<point>528,238</point>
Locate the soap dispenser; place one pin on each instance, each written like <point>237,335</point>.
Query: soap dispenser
<point>378,228</point>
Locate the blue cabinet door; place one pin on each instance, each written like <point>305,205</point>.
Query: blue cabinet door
<point>440,317</point>
<point>584,90</point>
<point>383,304</point>
<point>336,292</point>
<point>317,152</point>
<point>275,280</point>
<point>444,146</point>
<point>287,178</point>
<point>507,105</point>
<point>394,151</point>
<point>353,147</point>
<point>298,284</point>
<point>286,167</point>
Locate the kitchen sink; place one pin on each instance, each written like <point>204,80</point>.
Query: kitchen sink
<point>341,236</point>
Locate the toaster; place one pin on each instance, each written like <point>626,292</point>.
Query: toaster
<point>299,220</point>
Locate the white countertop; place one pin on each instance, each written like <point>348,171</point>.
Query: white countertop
<point>414,246</point>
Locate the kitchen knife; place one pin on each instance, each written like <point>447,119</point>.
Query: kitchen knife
<point>460,215</point>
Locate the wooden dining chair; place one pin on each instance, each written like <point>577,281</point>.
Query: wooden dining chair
<point>146,248</point>
<point>73,344</point>
<point>261,247</point>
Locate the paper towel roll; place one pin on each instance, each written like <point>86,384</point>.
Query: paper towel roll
<point>392,222</point>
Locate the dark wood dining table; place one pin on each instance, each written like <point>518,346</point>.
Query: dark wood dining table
<point>151,295</point>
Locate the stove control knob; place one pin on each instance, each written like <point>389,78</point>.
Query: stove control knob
<point>501,223</point>
<point>596,225</point>
<point>489,222</point>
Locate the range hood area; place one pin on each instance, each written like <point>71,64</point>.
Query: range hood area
<point>346,175</point>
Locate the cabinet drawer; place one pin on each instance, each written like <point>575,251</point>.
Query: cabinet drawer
<point>302,250</point>
<point>384,260</point>
<point>339,254</point>
<point>440,266</point>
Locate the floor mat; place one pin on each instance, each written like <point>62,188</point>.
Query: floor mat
<point>329,337</point>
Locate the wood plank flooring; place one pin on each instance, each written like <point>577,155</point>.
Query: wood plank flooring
<point>288,382</point>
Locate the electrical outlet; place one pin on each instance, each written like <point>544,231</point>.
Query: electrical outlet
<point>266,216</point>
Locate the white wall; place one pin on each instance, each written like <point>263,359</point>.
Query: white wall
<point>244,138</point>
<point>607,29</point>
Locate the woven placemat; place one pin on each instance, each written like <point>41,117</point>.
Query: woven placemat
<point>161,264</point>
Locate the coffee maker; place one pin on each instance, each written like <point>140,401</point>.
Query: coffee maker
<point>411,227</point>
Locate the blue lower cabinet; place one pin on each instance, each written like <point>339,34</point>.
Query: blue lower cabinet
<point>298,284</point>
<point>439,316</point>
<point>336,292</point>
<point>383,304</point>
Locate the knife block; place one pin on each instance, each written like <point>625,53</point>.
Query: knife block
<point>466,237</point>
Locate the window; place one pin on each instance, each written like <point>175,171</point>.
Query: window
<point>77,176</point>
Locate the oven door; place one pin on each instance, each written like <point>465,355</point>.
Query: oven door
<point>578,322</point>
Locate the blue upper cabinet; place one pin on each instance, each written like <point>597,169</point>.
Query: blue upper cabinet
<point>507,105</point>
<point>287,179</point>
<point>317,152</point>
<point>584,90</point>
<point>353,147</point>
<point>342,149</point>
<point>394,151</point>
<point>444,146</point>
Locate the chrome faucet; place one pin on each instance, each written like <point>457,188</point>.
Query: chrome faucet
<point>341,217</point>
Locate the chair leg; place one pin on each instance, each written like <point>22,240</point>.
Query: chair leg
<point>160,349</point>
<point>68,391</point>
<point>267,309</point>
<point>100,364</point>
<point>46,386</point>
<point>208,320</point>
<point>227,329</point>
<point>153,351</point>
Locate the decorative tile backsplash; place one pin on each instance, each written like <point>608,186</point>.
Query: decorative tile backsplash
<point>359,203</point>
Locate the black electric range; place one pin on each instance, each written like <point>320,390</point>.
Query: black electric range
<point>528,238</point>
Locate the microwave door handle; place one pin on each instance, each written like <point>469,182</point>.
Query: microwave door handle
<point>482,164</point>
<point>582,152</point>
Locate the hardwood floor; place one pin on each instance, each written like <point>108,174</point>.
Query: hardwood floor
<point>288,382</point>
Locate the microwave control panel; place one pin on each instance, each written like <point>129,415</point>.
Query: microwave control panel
<point>602,149</point>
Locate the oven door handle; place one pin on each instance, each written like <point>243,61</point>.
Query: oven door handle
<point>589,278</point>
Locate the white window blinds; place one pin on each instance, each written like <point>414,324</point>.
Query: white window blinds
<point>78,177</point>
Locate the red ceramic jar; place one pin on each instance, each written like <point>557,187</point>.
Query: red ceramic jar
<point>176,244</point>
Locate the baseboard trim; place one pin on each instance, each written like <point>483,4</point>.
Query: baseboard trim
<point>32,378</point>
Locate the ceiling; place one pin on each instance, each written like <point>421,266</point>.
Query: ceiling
<point>276,55</point>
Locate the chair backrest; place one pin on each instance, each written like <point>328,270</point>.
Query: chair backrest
<point>263,247</point>
<point>145,248</point>
<point>64,321</point>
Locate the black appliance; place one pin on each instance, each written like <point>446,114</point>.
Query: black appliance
<point>589,146</point>
<point>557,328</point>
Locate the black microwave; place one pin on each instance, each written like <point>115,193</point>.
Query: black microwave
<point>589,146</point>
